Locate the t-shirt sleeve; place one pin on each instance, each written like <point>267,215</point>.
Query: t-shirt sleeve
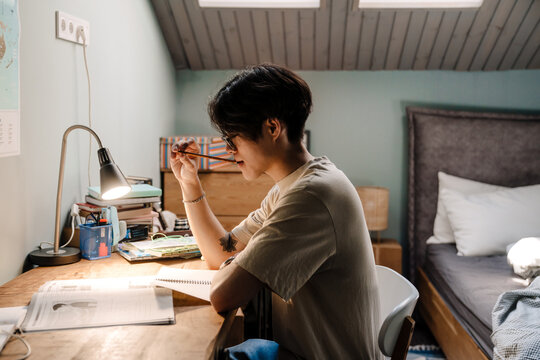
<point>250,225</point>
<point>296,239</point>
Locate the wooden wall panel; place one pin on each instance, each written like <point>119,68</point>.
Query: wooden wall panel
<point>507,34</point>
<point>464,23</point>
<point>352,40</point>
<point>202,38</point>
<point>307,40</point>
<point>444,35</point>
<point>292,38</point>
<point>522,35</point>
<point>367,39</point>
<point>262,36</point>
<point>337,33</point>
<point>395,47</point>
<point>384,30</point>
<point>230,29</point>
<point>492,34</point>
<point>247,36</point>
<point>215,31</point>
<point>530,49</point>
<point>277,36</point>
<point>170,32</point>
<point>414,33</point>
<point>322,36</point>
<point>429,34</point>
<point>186,35</point>
<point>339,36</point>
<point>476,34</point>
<point>535,61</point>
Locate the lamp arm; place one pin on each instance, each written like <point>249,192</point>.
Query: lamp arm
<point>61,179</point>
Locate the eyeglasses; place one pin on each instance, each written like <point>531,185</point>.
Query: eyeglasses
<point>228,142</point>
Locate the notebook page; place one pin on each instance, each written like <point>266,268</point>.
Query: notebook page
<point>196,283</point>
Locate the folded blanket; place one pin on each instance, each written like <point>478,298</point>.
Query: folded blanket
<point>516,324</point>
<point>524,256</point>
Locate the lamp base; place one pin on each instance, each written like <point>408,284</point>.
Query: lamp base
<point>47,257</point>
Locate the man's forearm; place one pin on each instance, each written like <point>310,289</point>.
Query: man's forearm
<point>215,243</point>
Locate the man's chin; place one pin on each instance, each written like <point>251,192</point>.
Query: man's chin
<point>248,175</point>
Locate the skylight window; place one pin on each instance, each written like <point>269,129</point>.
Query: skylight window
<point>414,4</point>
<point>266,4</point>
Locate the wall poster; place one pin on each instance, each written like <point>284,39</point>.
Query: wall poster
<point>10,115</point>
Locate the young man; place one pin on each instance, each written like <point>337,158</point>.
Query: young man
<point>308,242</point>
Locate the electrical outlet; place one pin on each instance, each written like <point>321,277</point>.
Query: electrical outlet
<point>67,25</point>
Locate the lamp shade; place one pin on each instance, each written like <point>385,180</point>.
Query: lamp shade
<point>375,203</point>
<point>113,183</point>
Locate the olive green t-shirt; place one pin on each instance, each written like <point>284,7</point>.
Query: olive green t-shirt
<point>309,243</point>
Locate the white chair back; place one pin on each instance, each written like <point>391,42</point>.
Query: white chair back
<point>397,301</point>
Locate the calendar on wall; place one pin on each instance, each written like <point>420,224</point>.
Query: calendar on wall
<point>10,115</point>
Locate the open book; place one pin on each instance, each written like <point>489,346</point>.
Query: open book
<point>69,304</point>
<point>192,282</point>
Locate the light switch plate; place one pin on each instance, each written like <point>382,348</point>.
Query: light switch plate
<point>67,25</point>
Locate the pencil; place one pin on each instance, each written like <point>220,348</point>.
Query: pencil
<point>206,156</point>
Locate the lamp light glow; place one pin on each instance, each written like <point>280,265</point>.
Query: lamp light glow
<point>113,185</point>
<point>115,193</point>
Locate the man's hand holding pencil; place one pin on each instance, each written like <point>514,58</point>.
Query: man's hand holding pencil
<point>184,159</point>
<point>184,166</point>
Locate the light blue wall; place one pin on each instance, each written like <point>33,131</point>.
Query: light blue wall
<point>133,99</point>
<point>358,118</point>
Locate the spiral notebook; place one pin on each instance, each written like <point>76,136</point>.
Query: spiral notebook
<point>196,283</point>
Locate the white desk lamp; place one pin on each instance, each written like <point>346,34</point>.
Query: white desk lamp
<point>113,185</point>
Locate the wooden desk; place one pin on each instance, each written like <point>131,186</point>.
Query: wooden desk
<point>197,334</point>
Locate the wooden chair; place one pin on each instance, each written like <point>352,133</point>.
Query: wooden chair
<point>398,298</point>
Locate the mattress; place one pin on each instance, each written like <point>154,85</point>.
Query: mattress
<point>470,287</point>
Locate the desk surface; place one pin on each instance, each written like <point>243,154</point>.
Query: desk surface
<point>194,336</point>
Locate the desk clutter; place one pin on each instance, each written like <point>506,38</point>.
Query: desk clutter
<point>132,225</point>
<point>166,246</point>
<point>83,303</point>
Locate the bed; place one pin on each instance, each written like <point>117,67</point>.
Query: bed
<point>457,293</point>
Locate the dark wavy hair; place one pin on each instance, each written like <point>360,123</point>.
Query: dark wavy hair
<point>258,93</point>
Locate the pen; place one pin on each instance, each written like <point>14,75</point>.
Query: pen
<point>205,156</point>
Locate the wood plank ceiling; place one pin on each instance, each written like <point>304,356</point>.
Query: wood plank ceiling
<point>500,35</point>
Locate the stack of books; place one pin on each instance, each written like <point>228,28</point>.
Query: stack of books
<point>174,246</point>
<point>135,208</point>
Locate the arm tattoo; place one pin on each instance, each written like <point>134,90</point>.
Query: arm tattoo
<point>228,243</point>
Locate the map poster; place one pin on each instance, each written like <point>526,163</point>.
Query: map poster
<point>10,115</point>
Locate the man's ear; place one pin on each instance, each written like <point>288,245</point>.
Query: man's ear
<point>274,127</point>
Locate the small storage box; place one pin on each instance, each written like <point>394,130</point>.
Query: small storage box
<point>95,241</point>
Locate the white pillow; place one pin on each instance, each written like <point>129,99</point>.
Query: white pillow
<point>484,224</point>
<point>442,232</point>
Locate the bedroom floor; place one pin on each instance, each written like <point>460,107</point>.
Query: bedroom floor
<point>423,344</point>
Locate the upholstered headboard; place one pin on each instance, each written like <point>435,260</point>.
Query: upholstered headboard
<point>495,148</point>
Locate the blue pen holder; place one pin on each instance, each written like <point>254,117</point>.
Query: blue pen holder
<point>95,241</point>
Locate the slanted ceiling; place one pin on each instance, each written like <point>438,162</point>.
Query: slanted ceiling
<point>500,35</point>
